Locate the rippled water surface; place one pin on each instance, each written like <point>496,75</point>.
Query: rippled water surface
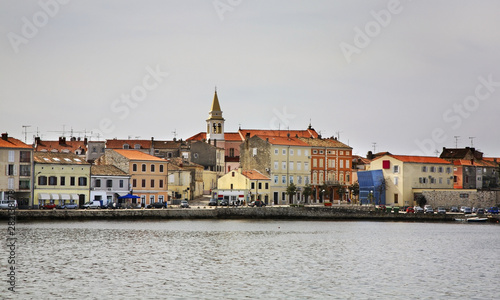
<point>255,260</point>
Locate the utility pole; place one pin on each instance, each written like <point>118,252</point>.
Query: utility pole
<point>374,145</point>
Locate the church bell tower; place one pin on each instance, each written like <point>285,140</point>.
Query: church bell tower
<point>215,123</point>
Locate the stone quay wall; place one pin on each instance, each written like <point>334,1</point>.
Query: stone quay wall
<point>288,213</point>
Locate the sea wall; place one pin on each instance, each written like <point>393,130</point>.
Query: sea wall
<point>297,213</point>
<point>471,198</point>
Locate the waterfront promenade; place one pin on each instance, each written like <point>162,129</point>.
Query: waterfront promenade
<point>338,213</point>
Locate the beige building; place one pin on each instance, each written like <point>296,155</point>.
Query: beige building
<point>16,159</point>
<point>256,186</point>
<point>406,176</point>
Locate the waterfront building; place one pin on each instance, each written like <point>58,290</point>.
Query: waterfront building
<point>254,184</point>
<point>16,159</point>
<point>185,179</point>
<point>147,173</point>
<point>284,159</point>
<point>60,178</point>
<point>405,177</point>
<point>330,168</point>
<point>108,183</point>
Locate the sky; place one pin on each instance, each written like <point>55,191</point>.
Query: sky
<point>408,77</point>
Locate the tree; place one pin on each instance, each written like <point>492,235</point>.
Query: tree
<point>341,192</point>
<point>381,188</point>
<point>307,192</point>
<point>354,188</point>
<point>290,191</point>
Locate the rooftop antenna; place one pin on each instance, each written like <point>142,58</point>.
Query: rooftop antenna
<point>175,133</point>
<point>472,141</point>
<point>456,141</point>
<point>374,145</point>
<point>338,134</point>
<point>437,152</point>
<point>25,131</point>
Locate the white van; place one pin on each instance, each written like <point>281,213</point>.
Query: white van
<point>4,204</point>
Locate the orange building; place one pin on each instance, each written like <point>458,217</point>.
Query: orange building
<point>148,173</point>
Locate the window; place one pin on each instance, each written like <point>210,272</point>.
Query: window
<point>306,166</point>
<point>396,198</point>
<point>283,179</point>
<point>315,163</point>
<point>72,181</point>
<point>396,179</point>
<point>252,185</point>
<point>152,167</point>
<point>24,156</point>
<point>440,169</point>
<point>134,183</point>
<point>42,180</point>
<point>24,170</point>
<point>440,180</point>
<point>52,180</point>
<point>275,178</point>
<point>195,155</point>
<point>424,168</point>
<point>11,170</point>
<point>98,183</point>
<point>341,152</point>
<point>126,146</point>
<point>11,155</point>
<point>433,169</point>
<point>276,165</point>
<point>321,152</point>
<point>62,180</point>
<point>298,152</point>
<point>161,168</point>
<point>82,181</point>
<point>291,178</point>
<point>152,199</point>
<point>276,151</point>
<point>24,184</point>
<point>232,174</point>
<point>134,167</point>
<point>306,152</point>
<point>299,179</point>
<point>290,165</point>
<point>109,183</point>
<point>121,183</point>
<point>341,163</point>
<point>455,179</point>
<point>144,167</point>
<point>260,185</point>
<point>283,151</point>
<point>137,146</point>
<point>254,151</point>
<point>160,198</point>
<point>143,183</point>
<point>315,151</point>
<point>10,183</point>
<point>152,183</point>
<point>94,150</point>
<point>231,152</point>
<point>315,178</point>
<point>299,166</point>
<point>283,165</point>
<point>396,168</point>
<point>267,185</point>
<point>433,180</point>
<point>306,179</point>
<point>347,164</point>
<point>291,151</point>
<point>160,183</point>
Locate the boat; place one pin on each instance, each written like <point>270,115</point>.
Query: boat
<point>477,219</point>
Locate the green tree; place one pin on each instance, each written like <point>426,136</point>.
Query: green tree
<point>290,191</point>
<point>354,188</point>
<point>307,192</point>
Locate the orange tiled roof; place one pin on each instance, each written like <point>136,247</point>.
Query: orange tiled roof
<point>137,155</point>
<point>308,133</point>
<point>118,144</point>
<point>418,159</point>
<point>254,175</point>
<point>332,143</point>
<point>233,136</point>
<point>477,163</point>
<point>283,140</point>
<point>13,143</point>
<point>198,137</point>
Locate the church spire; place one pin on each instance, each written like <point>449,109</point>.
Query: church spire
<point>215,121</point>
<point>215,102</point>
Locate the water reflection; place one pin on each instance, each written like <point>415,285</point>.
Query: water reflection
<point>257,259</point>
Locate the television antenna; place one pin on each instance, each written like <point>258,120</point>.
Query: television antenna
<point>472,141</point>
<point>456,141</point>
<point>25,132</point>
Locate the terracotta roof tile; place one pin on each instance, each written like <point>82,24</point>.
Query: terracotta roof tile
<point>137,155</point>
<point>417,159</point>
<point>280,140</point>
<point>118,144</point>
<point>106,170</point>
<point>58,158</point>
<point>254,175</point>
<point>13,143</point>
<point>330,143</point>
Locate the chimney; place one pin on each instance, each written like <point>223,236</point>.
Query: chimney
<point>5,136</point>
<point>37,141</point>
<point>73,139</point>
<point>247,136</point>
<point>85,141</point>
<point>62,140</point>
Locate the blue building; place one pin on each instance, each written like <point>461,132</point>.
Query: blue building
<point>371,190</point>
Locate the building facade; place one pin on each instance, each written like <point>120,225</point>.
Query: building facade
<point>108,183</point>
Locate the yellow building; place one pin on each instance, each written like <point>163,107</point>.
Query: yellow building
<point>406,175</point>
<point>250,183</point>
<point>60,178</point>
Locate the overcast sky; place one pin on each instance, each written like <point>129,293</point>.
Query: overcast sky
<point>406,75</point>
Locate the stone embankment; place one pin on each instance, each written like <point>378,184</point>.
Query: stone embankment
<point>289,213</point>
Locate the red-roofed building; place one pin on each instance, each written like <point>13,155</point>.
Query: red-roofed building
<point>16,158</point>
<point>74,145</point>
<point>405,176</point>
<point>147,173</point>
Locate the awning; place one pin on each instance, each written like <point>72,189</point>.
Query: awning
<point>65,197</point>
<point>43,196</point>
<point>121,194</point>
<point>54,196</point>
<point>75,197</point>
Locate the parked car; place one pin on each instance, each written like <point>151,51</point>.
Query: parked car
<point>49,206</point>
<point>493,210</point>
<point>418,209</point>
<point>4,204</point>
<point>184,204</point>
<point>462,208</point>
<point>454,209</point>
<point>467,210</point>
<point>93,204</point>
<point>69,206</point>
<point>224,203</point>
<point>480,211</point>
<point>441,210</point>
<point>212,202</point>
<point>157,205</point>
<point>428,209</point>
<point>410,210</point>
<point>115,205</point>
